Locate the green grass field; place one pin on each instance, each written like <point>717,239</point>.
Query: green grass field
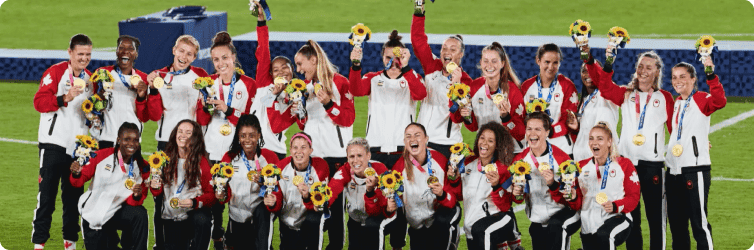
<point>49,25</point>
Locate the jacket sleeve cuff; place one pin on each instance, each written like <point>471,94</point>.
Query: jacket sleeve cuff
<point>405,69</point>
<point>329,105</point>
<point>153,91</point>
<point>608,68</point>
<point>355,67</point>
<point>140,99</point>
<point>370,194</point>
<point>506,118</point>
<point>61,100</point>
<point>262,23</point>
<point>555,185</point>
<point>711,77</point>
<point>419,15</point>
<point>229,112</point>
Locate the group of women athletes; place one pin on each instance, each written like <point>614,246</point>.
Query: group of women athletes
<point>188,211</point>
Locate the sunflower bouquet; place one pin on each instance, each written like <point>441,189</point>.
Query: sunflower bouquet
<point>94,110</point>
<point>536,105</point>
<point>104,80</point>
<point>221,174</point>
<point>391,184</point>
<point>270,178</point>
<point>296,91</point>
<point>569,170</point>
<point>520,172</point>
<point>704,47</point>
<point>617,37</point>
<point>254,8</point>
<point>157,161</point>
<point>85,147</point>
<point>418,5</point>
<point>459,152</point>
<point>204,85</point>
<point>320,194</point>
<point>360,33</point>
<point>581,31</point>
<point>459,97</point>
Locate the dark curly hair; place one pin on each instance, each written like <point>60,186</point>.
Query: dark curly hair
<point>503,142</point>
<point>196,151</point>
<point>246,120</point>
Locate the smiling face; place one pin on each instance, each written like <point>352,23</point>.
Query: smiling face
<point>248,137</point>
<point>491,63</point>
<point>80,56</point>
<point>358,158</point>
<point>486,145</point>
<point>416,141</point>
<point>300,151</point>
<point>549,64</point>
<point>183,55</point>
<point>600,142</point>
<point>129,143</point>
<point>683,81</point>
<point>183,135</point>
<point>126,53</point>
<point>223,59</point>
<point>536,134</point>
<point>451,51</point>
<point>306,66</point>
<point>387,55</point>
<point>281,68</point>
<point>647,71</point>
<point>585,77</point>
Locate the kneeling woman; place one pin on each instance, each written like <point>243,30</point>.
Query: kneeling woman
<point>552,222</point>
<point>110,205</point>
<point>186,190</point>
<point>368,211</point>
<point>250,224</point>
<point>487,225</point>
<point>430,200</point>
<point>301,223</point>
<point>610,188</point>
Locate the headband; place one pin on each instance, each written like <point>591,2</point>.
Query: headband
<point>301,135</point>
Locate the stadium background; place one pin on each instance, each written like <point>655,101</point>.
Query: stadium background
<point>30,28</point>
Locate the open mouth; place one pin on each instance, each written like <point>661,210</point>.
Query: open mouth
<point>533,139</point>
<point>446,60</point>
<point>482,150</point>
<point>595,149</point>
<point>124,60</point>
<point>181,61</point>
<point>414,147</point>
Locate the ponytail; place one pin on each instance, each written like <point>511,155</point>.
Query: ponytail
<point>325,69</point>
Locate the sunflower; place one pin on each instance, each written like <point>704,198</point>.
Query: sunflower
<point>268,170</point>
<point>564,166</point>
<point>327,192</point>
<point>298,85</point>
<point>521,168</point>
<point>619,32</point>
<point>397,175</point>
<point>215,169</point>
<point>315,187</point>
<point>87,106</point>
<point>457,148</point>
<point>94,77</point>
<point>705,41</point>
<point>581,27</point>
<point>361,30</point>
<point>156,161</point>
<point>536,105</point>
<point>388,181</point>
<point>317,198</point>
<point>451,91</point>
<point>164,156</point>
<point>89,142</point>
<point>462,90</point>
<point>227,169</point>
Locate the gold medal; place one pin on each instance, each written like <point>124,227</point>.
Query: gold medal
<point>225,129</point>
<point>78,82</point>
<point>601,198</point>
<point>498,98</point>
<point>543,167</point>
<point>129,183</point>
<point>677,150</point>
<point>490,168</point>
<point>639,139</point>
<point>174,202</point>
<point>370,172</point>
<point>250,175</point>
<point>397,52</point>
<point>135,81</point>
<point>451,67</point>
<point>158,82</point>
<point>298,180</point>
<point>432,180</point>
<point>317,88</point>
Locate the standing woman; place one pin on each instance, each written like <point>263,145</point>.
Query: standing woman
<point>557,90</point>
<point>689,162</point>
<point>393,94</point>
<point>109,205</point>
<point>174,102</point>
<point>301,226</point>
<point>606,174</point>
<point>250,222</point>
<point>187,194</point>
<point>430,199</point>
<point>498,79</point>
<point>128,103</point>
<point>444,128</point>
<point>646,110</point>
<point>487,225</point>
<point>552,221</point>
<point>329,119</point>
<point>593,107</point>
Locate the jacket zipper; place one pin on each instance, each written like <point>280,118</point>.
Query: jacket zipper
<point>655,143</point>
<point>369,118</point>
<point>696,149</point>
<point>450,123</point>
<point>162,121</point>
<point>340,137</point>
<point>52,125</point>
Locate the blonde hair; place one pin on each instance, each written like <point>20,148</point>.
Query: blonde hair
<point>657,85</point>
<point>325,69</point>
<point>190,40</point>
<point>613,153</point>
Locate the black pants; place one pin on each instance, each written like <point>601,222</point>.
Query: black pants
<point>609,236</point>
<point>651,178</point>
<point>54,170</point>
<point>557,233</point>
<point>159,236</point>
<point>217,216</point>
<point>192,233</point>
<point>369,236</point>
<point>335,225</point>
<point>308,237</point>
<point>491,231</point>
<point>132,220</point>
<point>443,234</point>
<point>386,158</point>
<point>443,149</point>
<point>397,229</point>
<point>687,200</point>
<point>254,234</point>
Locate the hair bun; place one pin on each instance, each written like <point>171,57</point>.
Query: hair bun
<point>394,36</point>
<point>221,38</point>
<point>497,45</point>
<point>459,37</point>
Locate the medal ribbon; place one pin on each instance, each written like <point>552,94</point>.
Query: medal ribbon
<point>130,165</point>
<point>583,107</point>
<point>122,78</point>
<point>176,72</point>
<point>683,113</point>
<point>70,74</point>
<point>419,166</point>
<point>552,160</point>
<point>230,93</point>
<point>604,173</point>
<point>552,88</point>
<point>246,162</point>
<point>180,188</point>
<point>643,112</point>
<point>487,90</point>
<point>308,171</point>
